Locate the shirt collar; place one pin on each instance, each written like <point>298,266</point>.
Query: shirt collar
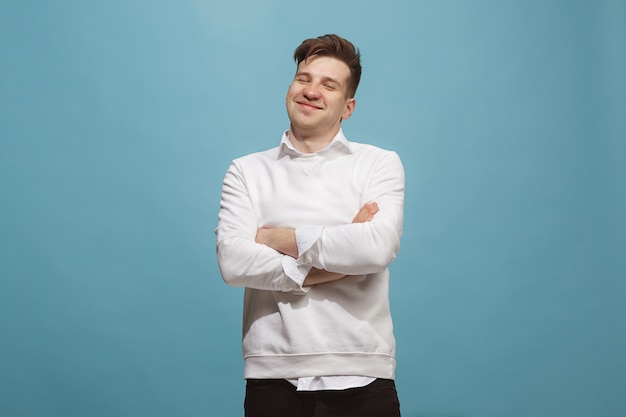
<point>339,144</point>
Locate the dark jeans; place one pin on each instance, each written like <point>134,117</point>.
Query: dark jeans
<point>279,398</point>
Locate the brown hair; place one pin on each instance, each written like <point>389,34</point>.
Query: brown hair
<point>336,47</point>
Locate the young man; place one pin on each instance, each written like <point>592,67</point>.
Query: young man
<point>309,229</point>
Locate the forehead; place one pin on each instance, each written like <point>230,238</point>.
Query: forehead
<point>325,67</point>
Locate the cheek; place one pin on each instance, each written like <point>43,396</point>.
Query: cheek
<point>292,91</point>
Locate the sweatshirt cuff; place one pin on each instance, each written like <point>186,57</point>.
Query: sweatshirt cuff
<point>296,273</point>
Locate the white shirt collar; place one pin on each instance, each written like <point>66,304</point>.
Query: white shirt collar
<point>339,144</point>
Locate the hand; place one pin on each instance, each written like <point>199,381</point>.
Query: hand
<point>320,276</point>
<point>366,213</point>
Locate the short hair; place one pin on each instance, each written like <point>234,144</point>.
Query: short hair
<point>336,47</point>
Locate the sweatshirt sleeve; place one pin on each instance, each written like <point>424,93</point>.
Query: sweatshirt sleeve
<point>242,261</point>
<point>365,248</point>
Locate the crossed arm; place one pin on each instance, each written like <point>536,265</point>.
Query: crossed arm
<point>283,240</point>
<point>264,259</point>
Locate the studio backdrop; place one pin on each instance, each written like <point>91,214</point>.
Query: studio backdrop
<point>118,120</point>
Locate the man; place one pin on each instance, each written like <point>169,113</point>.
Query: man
<point>309,229</point>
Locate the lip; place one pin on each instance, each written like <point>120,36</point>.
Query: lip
<point>308,105</point>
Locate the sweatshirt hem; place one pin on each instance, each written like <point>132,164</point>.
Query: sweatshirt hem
<point>375,365</point>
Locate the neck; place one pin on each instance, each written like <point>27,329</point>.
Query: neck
<point>309,142</point>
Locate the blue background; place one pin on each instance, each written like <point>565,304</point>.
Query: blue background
<point>118,120</point>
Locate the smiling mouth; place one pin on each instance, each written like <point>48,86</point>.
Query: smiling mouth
<point>308,105</point>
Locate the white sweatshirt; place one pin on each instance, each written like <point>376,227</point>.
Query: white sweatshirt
<point>338,328</point>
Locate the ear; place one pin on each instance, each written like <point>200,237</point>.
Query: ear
<point>350,105</point>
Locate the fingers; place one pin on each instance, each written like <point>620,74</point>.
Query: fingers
<point>366,213</point>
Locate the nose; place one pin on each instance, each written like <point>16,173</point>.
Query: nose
<point>312,91</point>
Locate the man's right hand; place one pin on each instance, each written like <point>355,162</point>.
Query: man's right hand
<point>320,276</point>
<point>366,213</point>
